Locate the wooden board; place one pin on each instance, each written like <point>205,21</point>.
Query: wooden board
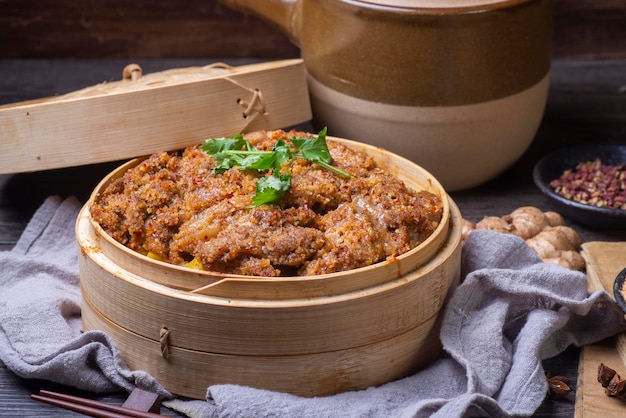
<point>604,261</point>
<point>163,111</point>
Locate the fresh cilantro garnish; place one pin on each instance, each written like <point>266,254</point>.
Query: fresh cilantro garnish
<point>238,152</point>
<point>270,189</point>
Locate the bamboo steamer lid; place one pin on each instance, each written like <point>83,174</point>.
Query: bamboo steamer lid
<point>310,336</point>
<point>141,114</point>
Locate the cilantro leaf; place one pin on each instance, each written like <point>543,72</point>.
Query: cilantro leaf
<point>313,150</point>
<point>283,155</point>
<point>218,145</point>
<point>265,161</point>
<point>238,152</point>
<point>270,189</point>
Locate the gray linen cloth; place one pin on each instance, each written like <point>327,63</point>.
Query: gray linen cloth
<point>40,327</point>
<point>511,312</point>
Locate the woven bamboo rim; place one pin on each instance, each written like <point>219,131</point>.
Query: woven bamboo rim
<point>217,284</point>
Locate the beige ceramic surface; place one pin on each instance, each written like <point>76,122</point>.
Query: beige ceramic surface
<point>463,146</point>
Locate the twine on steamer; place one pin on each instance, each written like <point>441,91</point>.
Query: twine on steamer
<point>220,64</point>
<point>164,339</point>
<point>255,106</point>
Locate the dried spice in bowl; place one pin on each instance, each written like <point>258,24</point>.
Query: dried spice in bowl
<point>594,183</point>
<point>554,166</point>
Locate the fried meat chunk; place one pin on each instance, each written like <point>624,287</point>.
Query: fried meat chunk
<point>173,206</point>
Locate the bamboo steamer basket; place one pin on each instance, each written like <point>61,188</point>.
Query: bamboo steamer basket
<point>309,336</point>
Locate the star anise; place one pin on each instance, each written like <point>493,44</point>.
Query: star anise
<point>614,385</point>
<point>558,387</point>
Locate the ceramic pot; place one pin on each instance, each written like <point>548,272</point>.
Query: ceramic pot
<point>457,86</point>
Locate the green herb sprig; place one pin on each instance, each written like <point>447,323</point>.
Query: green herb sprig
<point>238,152</point>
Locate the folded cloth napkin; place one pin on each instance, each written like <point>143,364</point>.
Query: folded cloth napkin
<point>40,327</point>
<point>511,312</point>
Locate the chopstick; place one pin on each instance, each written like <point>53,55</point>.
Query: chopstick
<point>90,407</point>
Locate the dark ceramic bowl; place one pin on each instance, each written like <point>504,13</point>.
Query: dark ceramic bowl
<point>552,166</point>
<point>618,293</point>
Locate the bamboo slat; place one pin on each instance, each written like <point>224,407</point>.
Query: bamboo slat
<point>163,111</point>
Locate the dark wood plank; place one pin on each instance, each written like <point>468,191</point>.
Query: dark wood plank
<point>118,28</point>
<point>583,29</point>
<point>590,29</point>
<point>561,366</point>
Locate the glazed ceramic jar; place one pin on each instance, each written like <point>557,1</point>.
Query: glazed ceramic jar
<point>457,86</point>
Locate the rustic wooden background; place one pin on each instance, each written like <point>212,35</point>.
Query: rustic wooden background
<point>584,29</point>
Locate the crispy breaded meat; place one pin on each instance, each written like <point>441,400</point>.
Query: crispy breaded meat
<point>173,207</point>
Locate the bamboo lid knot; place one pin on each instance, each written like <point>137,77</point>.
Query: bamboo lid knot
<point>256,105</point>
<point>132,72</point>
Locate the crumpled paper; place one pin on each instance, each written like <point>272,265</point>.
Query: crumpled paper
<point>511,312</point>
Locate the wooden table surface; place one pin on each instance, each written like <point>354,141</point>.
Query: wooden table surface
<point>586,104</point>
